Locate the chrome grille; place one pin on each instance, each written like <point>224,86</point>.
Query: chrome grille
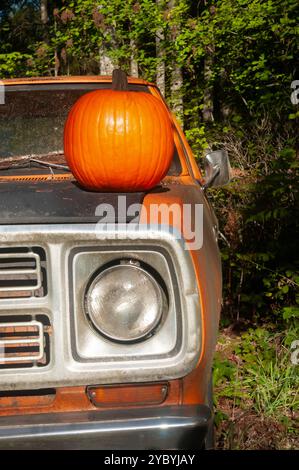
<point>22,343</point>
<point>22,273</point>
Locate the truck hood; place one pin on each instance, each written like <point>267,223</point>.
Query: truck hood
<point>56,199</point>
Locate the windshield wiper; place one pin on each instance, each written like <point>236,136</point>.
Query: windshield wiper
<point>27,161</point>
<point>49,165</point>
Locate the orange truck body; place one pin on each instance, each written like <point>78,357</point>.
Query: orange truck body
<point>190,390</point>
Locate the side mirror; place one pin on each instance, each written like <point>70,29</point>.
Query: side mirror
<point>217,169</point>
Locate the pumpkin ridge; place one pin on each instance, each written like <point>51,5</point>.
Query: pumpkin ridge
<point>90,119</point>
<point>101,149</point>
<point>84,124</point>
<point>149,126</point>
<point>115,138</point>
<point>77,142</point>
<point>83,137</point>
<point>101,142</point>
<point>139,123</point>
<point>126,127</point>
<point>109,133</point>
<point>152,166</point>
<point>155,132</point>
<point>161,135</point>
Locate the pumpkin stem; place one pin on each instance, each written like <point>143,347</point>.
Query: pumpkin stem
<point>119,80</point>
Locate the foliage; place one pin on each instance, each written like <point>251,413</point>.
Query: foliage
<point>255,371</point>
<point>250,48</point>
<point>260,218</point>
<point>12,63</point>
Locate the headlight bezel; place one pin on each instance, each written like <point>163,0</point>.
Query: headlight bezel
<point>175,347</point>
<point>156,281</point>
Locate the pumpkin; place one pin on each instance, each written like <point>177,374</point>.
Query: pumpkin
<point>118,140</point>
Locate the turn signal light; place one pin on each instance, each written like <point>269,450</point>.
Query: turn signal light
<point>128,395</point>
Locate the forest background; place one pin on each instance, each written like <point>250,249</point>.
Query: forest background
<point>228,69</point>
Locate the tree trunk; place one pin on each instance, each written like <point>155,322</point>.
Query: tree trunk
<point>160,54</point>
<point>133,61</point>
<point>44,20</point>
<point>176,86</point>
<point>208,96</point>
<point>176,89</point>
<point>106,64</point>
<point>44,12</point>
<point>56,58</point>
<point>57,64</point>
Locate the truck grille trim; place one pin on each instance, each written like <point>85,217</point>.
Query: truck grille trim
<point>22,344</point>
<point>22,272</point>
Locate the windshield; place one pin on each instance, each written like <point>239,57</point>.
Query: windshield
<point>33,116</point>
<point>32,119</point>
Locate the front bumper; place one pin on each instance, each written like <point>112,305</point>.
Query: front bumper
<point>183,427</point>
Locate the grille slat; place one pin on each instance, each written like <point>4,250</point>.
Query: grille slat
<point>22,272</point>
<point>16,349</point>
<point>17,271</point>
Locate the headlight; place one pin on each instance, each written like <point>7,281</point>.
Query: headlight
<point>124,302</point>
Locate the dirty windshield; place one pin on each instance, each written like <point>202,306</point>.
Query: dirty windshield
<point>32,119</point>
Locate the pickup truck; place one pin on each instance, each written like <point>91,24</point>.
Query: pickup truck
<point>108,311</point>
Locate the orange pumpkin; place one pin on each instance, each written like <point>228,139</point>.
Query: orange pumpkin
<point>118,140</point>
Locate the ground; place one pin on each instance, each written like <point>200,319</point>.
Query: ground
<point>256,392</point>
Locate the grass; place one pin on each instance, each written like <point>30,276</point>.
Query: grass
<point>274,387</point>
<point>256,391</point>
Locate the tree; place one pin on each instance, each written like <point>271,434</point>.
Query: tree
<point>160,52</point>
<point>176,81</point>
<point>44,12</point>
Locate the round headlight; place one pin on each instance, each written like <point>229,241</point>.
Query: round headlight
<point>124,302</point>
